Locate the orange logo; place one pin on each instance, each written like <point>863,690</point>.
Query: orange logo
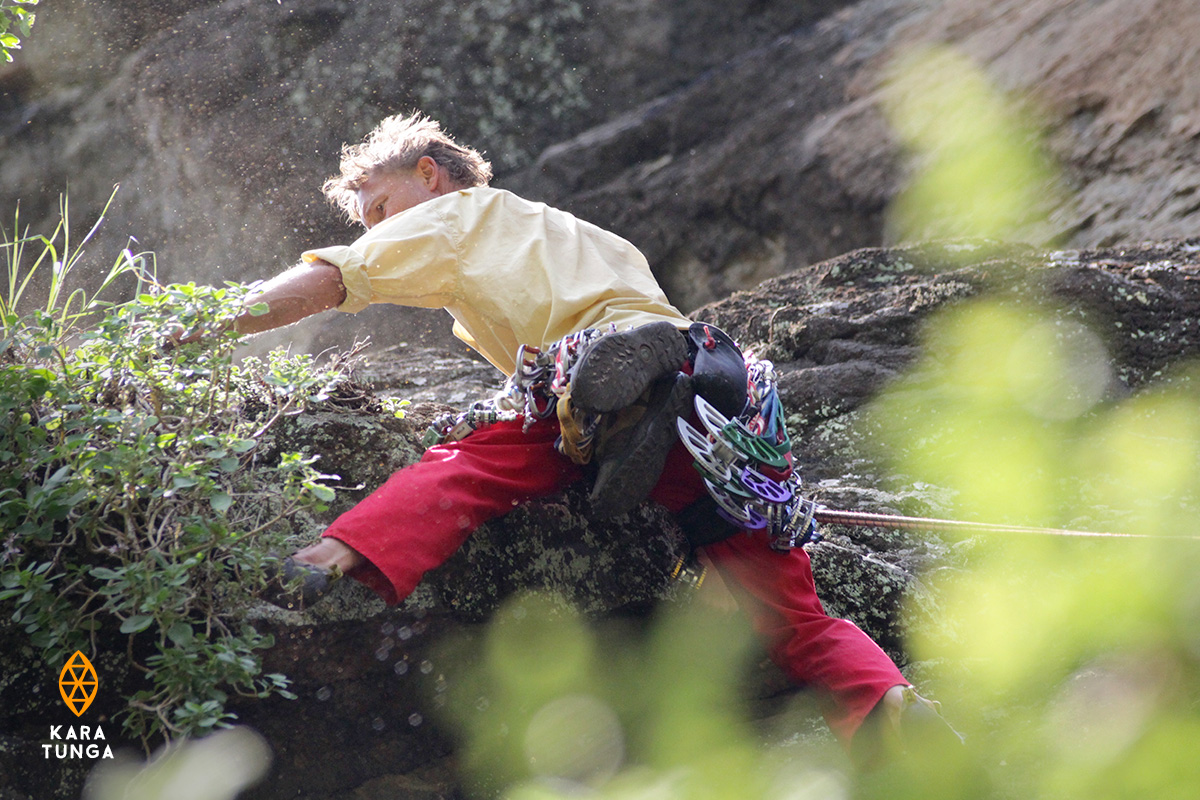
<point>78,683</point>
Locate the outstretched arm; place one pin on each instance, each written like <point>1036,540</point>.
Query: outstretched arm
<point>303,290</point>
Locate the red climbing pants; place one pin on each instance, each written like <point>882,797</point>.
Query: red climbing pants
<point>424,512</point>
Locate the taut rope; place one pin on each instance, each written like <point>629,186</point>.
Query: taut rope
<point>829,516</point>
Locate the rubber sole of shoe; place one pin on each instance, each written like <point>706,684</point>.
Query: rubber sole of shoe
<point>296,586</point>
<point>625,479</point>
<point>618,368</point>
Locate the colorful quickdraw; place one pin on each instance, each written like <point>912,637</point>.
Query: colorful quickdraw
<point>746,467</point>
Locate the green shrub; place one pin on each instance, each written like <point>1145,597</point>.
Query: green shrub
<point>18,14</point>
<point>136,498</point>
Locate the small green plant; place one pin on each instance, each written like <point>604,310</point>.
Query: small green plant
<point>19,14</point>
<point>137,496</point>
<point>60,313</point>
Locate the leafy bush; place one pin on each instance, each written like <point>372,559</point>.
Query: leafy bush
<point>18,13</point>
<point>136,496</point>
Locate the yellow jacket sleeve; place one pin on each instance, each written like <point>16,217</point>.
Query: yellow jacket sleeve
<point>409,259</point>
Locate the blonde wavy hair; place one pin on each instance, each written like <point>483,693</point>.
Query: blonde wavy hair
<point>397,144</point>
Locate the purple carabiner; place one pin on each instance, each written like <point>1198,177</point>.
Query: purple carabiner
<point>765,488</point>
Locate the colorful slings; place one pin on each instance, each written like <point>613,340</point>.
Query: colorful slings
<point>532,392</point>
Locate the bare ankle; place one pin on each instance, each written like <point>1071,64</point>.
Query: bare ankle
<point>329,553</point>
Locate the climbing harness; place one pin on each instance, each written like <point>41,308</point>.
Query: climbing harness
<point>746,463</point>
<point>532,392</point>
<point>689,572</point>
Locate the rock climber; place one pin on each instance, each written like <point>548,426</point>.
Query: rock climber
<point>521,278</point>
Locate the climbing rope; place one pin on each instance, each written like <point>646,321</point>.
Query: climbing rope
<point>864,519</point>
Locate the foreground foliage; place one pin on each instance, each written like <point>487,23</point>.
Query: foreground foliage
<point>136,496</point>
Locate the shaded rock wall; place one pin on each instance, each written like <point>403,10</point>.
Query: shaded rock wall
<point>221,119</point>
<point>731,142</point>
<point>782,157</point>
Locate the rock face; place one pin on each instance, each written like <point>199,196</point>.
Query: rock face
<point>783,157</point>
<point>733,145</point>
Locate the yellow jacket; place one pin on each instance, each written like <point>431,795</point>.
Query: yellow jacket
<point>508,270</point>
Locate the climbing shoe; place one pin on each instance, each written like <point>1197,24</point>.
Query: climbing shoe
<point>618,368</point>
<point>631,460</point>
<point>295,585</point>
<point>914,728</point>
